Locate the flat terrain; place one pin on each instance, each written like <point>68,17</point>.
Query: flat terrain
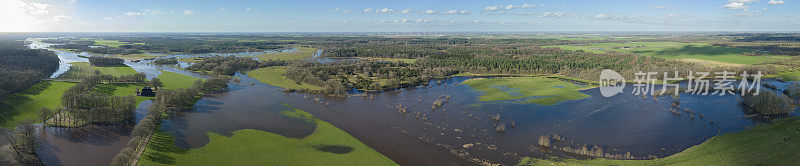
<point>26,104</point>
<point>539,90</point>
<point>677,51</point>
<point>80,70</point>
<point>274,76</point>
<point>770,144</point>
<point>298,53</point>
<point>176,81</point>
<point>328,145</point>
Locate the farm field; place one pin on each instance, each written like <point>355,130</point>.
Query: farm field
<point>297,53</point>
<point>679,51</point>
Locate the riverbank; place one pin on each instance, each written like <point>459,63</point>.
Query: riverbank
<point>767,144</point>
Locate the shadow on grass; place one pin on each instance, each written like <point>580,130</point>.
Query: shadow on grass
<point>160,148</point>
<point>695,50</point>
<point>9,102</point>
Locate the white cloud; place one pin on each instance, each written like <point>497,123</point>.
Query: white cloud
<point>542,5</point>
<point>430,11</point>
<point>509,7</point>
<point>657,7</point>
<point>491,8</point>
<point>735,6</point>
<point>552,14</point>
<point>188,12</point>
<point>452,12</point>
<point>776,2</point>
<point>617,17</point>
<point>251,9</point>
<point>38,8</point>
<point>222,8</point>
<point>367,10</point>
<point>134,14</point>
<point>528,5</point>
<point>405,11</point>
<point>386,10</point>
<point>738,4</point>
<point>61,18</point>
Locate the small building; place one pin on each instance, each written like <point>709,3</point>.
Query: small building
<point>147,91</point>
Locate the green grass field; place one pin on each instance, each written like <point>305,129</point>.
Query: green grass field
<point>121,90</point>
<point>298,54</point>
<point>679,51</point>
<point>26,104</point>
<point>108,43</point>
<point>274,76</point>
<point>176,81</point>
<point>770,144</point>
<point>545,91</point>
<point>254,147</point>
<point>80,70</point>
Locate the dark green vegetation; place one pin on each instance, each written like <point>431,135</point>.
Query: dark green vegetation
<point>338,77</point>
<point>166,101</point>
<point>328,145</point>
<point>768,102</point>
<point>171,43</point>
<point>229,65</point>
<point>165,61</point>
<point>22,90</point>
<point>768,144</point>
<point>106,61</point>
<point>89,103</point>
<point>22,67</point>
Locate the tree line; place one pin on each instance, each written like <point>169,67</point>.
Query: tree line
<point>102,61</point>
<point>166,101</point>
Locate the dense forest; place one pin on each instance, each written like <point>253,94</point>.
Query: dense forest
<point>106,61</point>
<point>229,65</point>
<point>22,67</point>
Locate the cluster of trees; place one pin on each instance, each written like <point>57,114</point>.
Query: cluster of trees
<point>165,61</point>
<point>166,101</point>
<point>169,43</point>
<point>230,65</point>
<point>767,102</point>
<point>83,105</point>
<point>22,67</point>
<point>106,61</point>
<point>338,77</point>
<point>23,144</point>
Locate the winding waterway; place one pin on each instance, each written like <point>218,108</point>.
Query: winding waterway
<point>623,123</point>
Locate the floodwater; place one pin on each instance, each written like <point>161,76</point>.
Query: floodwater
<point>88,145</point>
<point>459,133</point>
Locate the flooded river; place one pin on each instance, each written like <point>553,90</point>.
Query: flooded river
<point>461,132</point>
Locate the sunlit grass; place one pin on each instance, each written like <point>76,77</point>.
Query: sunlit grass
<point>254,147</point>
<point>25,105</point>
<point>539,90</point>
<point>274,76</point>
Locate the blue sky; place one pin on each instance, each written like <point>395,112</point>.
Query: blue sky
<point>397,15</point>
